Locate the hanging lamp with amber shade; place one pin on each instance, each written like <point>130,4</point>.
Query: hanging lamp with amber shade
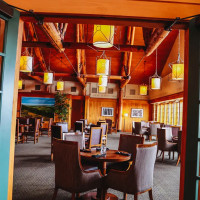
<point>103,65</point>
<point>155,80</point>
<point>103,36</point>
<point>102,89</point>
<point>177,66</point>
<point>48,75</point>
<point>20,84</point>
<point>143,87</point>
<point>26,62</point>
<point>60,85</point>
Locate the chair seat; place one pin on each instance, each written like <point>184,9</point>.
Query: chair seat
<point>121,166</point>
<point>88,167</point>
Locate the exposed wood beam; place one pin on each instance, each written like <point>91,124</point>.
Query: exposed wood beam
<point>37,78</point>
<point>38,51</point>
<point>6,10</point>
<point>82,45</point>
<point>55,74</point>
<point>78,57</point>
<point>157,37</point>
<point>53,35</point>
<point>64,30</point>
<point>109,77</point>
<point>105,20</point>
<point>128,57</point>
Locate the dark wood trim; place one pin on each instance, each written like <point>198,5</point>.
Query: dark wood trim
<point>104,19</point>
<point>81,45</point>
<point>6,10</point>
<point>169,97</point>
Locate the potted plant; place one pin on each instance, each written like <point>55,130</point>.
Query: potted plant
<point>61,107</point>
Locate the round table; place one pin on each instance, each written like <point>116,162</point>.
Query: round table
<point>110,156</point>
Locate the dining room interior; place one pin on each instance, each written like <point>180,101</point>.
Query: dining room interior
<point>99,103</point>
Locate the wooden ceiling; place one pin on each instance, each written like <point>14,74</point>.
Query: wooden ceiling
<point>64,65</point>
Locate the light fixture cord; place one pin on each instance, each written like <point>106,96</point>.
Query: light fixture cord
<point>49,59</point>
<point>156,62</point>
<point>179,43</point>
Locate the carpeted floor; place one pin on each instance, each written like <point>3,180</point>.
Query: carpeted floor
<point>34,174</point>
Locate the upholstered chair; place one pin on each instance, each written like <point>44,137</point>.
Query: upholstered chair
<point>64,126</point>
<point>175,130</point>
<point>69,174</point>
<point>179,147</point>
<point>109,121</point>
<point>163,144</point>
<point>95,137</point>
<point>56,132</point>
<point>139,177</point>
<point>153,130</point>
<point>105,131</point>
<point>79,126</point>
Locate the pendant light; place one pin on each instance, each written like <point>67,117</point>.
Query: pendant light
<point>143,87</point>
<point>177,66</point>
<point>103,36</point>
<point>155,80</point>
<point>20,84</point>
<point>103,81</point>
<point>60,85</point>
<point>102,89</point>
<point>26,62</point>
<point>102,65</point>
<point>48,75</point>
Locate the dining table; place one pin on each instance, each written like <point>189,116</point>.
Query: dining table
<point>113,156</point>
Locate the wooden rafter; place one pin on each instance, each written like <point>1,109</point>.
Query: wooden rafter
<point>128,57</point>
<point>37,78</point>
<point>157,37</point>
<point>38,51</point>
<point>106,20</point>
<point>82,45</point>
<point>53,35</point>
<point>78,56</point>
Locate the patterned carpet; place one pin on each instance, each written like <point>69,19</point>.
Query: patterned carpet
<point>34,174</point>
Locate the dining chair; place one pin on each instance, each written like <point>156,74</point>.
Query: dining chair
<point>164,145</point>
<point>80,138</point>
<point>34,132</point>
<point>153,130</point>
<point>139,177</point>
<point>105,131</point>
<point>179,147</point>
<point>133,127</point>
<point>95,137</point>
<point>69,174</point>
<point>175,130</point>
<point>79,126</point>
<point>109,121</point>
<point>48,129</point>
<point>19,135</point>
<point>138,129</point>
<point>56,132</point>
<point>64,126</point>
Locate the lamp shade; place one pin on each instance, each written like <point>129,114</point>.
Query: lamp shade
<point>20,84</point>
<point>60,85</point>
<point>26,63</point>
<point>103,36</point>
<point>155,83</point>
<point>103,80</point>
<point>103,66</point>
<point>143,89</point>
<point>102,89</point>
<point>177,71</point>
<point>48,78</point>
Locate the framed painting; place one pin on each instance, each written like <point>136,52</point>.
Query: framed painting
<point>138,113</point>
<point>107,111</point>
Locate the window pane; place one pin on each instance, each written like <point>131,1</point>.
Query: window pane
<point>2,31</point>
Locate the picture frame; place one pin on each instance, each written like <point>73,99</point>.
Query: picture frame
<point>137,113</point>
<point>105,111</point>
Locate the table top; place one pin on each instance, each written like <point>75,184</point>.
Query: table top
<point>111,156</point>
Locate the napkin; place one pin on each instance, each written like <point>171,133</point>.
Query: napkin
<point>99,155</point>
<point>122,153</point>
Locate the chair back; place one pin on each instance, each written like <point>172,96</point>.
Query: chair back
<point>105,128</point>
<point>67,164</point>
<point>50,123</point>
<point>161,139</point>
<point>153,128</point>
<point>179,141</point>
<point>175,130</point>
<point>109,121</point>
<point>128,143</point>
<point>168,133</point>
<point>140,177</point>
<point>137,128</point>
<point>84,122</point>
<point>23,120</point>
<point>78,126</point>
<point>32,121</point>
<point>37,126</point>
<point>56,132</point>
<point>64,126</point>
<point>95,137</point>
<point>80,138</point>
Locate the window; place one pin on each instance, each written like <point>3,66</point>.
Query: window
<point>169,112</point>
